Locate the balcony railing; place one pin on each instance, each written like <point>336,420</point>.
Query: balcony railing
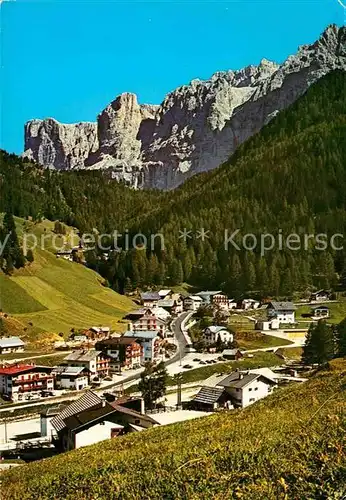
<point>32,380</point>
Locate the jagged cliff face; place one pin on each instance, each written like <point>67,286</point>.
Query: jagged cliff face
<point>58,145</point>
<point>196,128</point>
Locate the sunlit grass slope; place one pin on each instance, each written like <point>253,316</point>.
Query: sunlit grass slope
<point>55,295</point>
<point>290,445</point>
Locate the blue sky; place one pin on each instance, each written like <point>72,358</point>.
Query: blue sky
<point>69,59</point>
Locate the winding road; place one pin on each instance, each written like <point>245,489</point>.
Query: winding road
<point>180,354</point>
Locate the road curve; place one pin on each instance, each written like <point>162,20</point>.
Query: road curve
<point>178,333</point>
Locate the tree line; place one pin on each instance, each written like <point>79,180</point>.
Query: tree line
<point>289,178</point>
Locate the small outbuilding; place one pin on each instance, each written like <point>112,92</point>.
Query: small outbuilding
<point>11,344</point>
<point>232,354</point>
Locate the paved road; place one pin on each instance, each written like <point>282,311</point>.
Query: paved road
<point>266,349</point>
<point>178,333</point>
<point>179,336</point>
<point>49,354</point>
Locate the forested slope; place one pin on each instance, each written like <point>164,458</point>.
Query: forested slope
<point>289,178</point>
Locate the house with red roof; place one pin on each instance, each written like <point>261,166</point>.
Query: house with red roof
<point>23,381</point>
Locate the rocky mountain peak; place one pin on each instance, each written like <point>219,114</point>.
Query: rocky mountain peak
<point>196,127</point>
<point>59,145</point>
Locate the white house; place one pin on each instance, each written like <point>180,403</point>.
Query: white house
<point>91,419</point>
<point>273,324</point>
<point>165,294</point>
<point>160,312</point>
<point>212,333</point>
<point>284,312</point>
<point>71,377</point>
<point>247,387</point>
<point>320,296</point>
<point>11,344</point>
<point>192,303</point>
<point>250,304</point>
<point>237,390</point>
<point>320,312</point>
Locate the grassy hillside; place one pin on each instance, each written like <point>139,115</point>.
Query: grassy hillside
<point>289,446</point>
<point>337,311</point>
<point>53,295</point>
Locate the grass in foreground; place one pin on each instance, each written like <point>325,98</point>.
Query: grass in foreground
<point>290,445</point>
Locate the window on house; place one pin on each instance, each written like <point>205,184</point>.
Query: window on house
<point>250,388</point>
<point>252,399</point>
<point>256,388</point>
<point>137,421</point>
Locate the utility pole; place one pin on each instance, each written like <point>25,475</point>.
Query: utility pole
<point>5,422</point>
<point>178,379</point>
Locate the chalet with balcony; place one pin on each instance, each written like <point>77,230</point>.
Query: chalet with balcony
<point>284,312</point>
<point>97,362</point>
<point>192,303</point>
<point>149,322</point>
<point>150,341</point>
<point>124,353</point>
<point>24,381</point>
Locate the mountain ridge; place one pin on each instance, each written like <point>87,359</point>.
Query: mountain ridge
<point>196,127</point>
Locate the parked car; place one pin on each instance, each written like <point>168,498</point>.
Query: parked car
<point>187,366</point>
<point>196,360</point>
<point>47,394</point>
<point>202,362</point>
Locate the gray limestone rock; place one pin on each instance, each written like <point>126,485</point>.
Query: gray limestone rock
<point>195,129</point>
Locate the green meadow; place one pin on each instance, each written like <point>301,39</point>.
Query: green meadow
<point>52,295</point>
